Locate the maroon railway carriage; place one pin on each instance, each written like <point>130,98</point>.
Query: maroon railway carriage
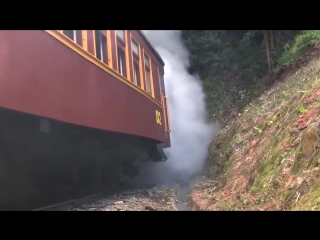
<point>80,102</point>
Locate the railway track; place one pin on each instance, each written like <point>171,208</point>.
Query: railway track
<point>70,204</point>
<point>143,198</point>
<point>63,205</point>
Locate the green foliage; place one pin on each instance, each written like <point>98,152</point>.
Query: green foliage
<point>274,119</point>
<point>258,129</point>
<point>237,65</point>
<point>208,54</point>
<point>301,44</point>
<point>302,110</point>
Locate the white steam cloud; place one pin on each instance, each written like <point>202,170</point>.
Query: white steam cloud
<point>190,133</point>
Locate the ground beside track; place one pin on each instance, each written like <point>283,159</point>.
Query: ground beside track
<point>160,198</point>
<point>149,199</point>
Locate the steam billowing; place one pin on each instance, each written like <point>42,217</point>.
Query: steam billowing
<point>190,133</point>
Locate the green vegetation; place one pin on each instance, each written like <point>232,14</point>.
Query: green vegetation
<point>236,66</point>
<point>260,160</point>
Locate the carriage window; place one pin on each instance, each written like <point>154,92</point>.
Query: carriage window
<point>135,56</point>
<point>121,50</point>
<point>161,74</point>
<point>74,35</point>
<point>148,87</point>
<point>120,34</point>
<point>101,46</point>
<point>121,61</point>
<point>135,47</point>
<point>147,73</point>
<point>136,76</point>
<point>70,34</point>
<point>146,60</point>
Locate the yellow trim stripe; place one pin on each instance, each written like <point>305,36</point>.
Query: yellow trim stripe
<point>75,47</point>
<point>84,40</point>
<point>164,113</point>
<point>142,80</point>
<point>94,43</point>
<point>126,50</point>
<point>167,114</point>
<point>151,78</point>
<point>109,49</point>
<point>116,46</point>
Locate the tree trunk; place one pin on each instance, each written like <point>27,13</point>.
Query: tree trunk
<point>278,42</point>
<point>272,46</point>
<point>271,40</point>
<point>266,40</point>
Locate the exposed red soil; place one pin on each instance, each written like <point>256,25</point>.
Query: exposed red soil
<point>304,119</point>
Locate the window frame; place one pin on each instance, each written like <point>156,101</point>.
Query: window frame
<point>112,42</point>
<point>136,60</point>
<point>104,57</point>
<point>161,80</point>
<point>75,38</point>
<point>122,44</point>
<point>124,36</point>
<point>149,68</point>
